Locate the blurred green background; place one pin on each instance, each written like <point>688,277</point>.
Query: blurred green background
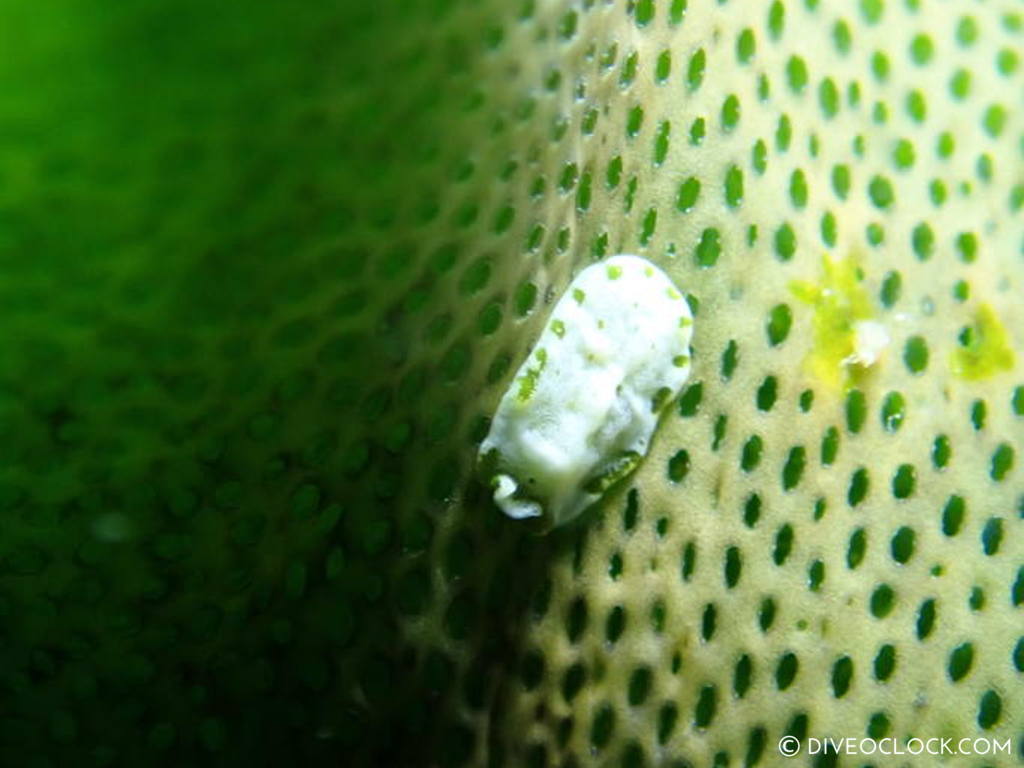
<point>194,566</point>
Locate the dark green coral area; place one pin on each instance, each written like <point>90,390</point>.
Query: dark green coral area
<point>200,561</point>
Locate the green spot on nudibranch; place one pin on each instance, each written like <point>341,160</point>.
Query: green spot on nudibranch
<point>558,327</point>
<point>578,295</point>
<point>617,470</point>
<point>614,273</point>
<point>528,381</point>
<point>840,302</point>
<point>985,348</point>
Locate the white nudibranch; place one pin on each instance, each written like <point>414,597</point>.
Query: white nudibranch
<point>579,415</point>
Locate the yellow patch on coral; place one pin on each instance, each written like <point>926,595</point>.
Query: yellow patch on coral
<point>840,304</point>
<point>985,348</point>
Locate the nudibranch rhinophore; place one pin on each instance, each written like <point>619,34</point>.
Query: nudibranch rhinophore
<point>581,410</point>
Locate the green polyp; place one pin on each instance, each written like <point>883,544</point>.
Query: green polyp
<point>839,301</point>
<point>987,350</point>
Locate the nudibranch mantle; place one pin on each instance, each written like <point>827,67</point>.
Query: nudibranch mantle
<point>580,413</point>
